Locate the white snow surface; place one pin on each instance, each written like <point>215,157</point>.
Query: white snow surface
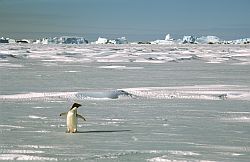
<point>51,55</point>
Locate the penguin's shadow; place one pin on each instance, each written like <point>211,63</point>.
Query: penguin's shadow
<point>103,131</point>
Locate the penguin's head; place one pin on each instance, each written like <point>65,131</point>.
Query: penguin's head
<point>75,106</point>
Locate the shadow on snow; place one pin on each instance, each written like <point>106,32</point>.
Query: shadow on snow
<point>103,131</point>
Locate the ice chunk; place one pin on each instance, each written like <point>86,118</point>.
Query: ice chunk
<point>73,40</point>
<point>238,41</point>
<point>101,40</point>
<point>121,40</point>
<point>167,40</point>
<point>208,40</point>
<point>62,40</point>
<point>189,39</point>
<point>3,40</point>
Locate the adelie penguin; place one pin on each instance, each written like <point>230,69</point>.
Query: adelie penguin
<point>72,118</point>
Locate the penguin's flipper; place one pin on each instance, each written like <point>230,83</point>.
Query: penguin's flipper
<point>80,116</point>
<point>65,113</point>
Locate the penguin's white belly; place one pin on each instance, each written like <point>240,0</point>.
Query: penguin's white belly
<point>71,122</point>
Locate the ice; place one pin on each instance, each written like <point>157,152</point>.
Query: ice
<point>189,39</point>
<point>238,41</point>
<point>61,40</point>
<point>178,102</point>
<point>126,53</point>
<point>101,40</point>
<point>121,40</point>
<point>184,153</point>
<point>21,152</point>
<point>208,40</point>
<point>167,41</point>
<point>3,40</point>
<point>238,117</point>
<point>201,92</point>
<point>10,126</point>
<point>168,37</point>
<point>24,157</point>
<point>165,159</point>
<point>5,64</point>
<point>36,117</point>
<point>205,92</point>
<point>119,67</point>
<point>161,159</point>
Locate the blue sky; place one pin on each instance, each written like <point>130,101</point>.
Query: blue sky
<point>135,19</point>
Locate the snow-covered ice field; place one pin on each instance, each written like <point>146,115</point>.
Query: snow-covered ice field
<point>155,103</point>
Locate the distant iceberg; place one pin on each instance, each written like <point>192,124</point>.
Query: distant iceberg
<point>168,40</point>
<point>62,40</point>
<point>23,41</point>
<point>208,40</point>
<point>189,39</point>
<point>3,40</point>
<point>73,40</point>
<point>238,41</point>
<point>101,40</point>
<point>201,40</point>
<point>122,40</point>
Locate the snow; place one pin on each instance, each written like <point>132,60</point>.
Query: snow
<point>128,101</point>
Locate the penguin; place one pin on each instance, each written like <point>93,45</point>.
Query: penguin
<point>72,118</point>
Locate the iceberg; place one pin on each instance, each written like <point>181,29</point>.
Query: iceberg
<point>208,40</point>
<point>62,40</point>
<point>73,40</point>
<point>45,41</point>
<point>7,40</point>
<point>189,39</point>
<point>11,40</point>
<point>238,41</point>
<point>121,40</point>
<point>101,40</point>
<point>3,40</point>
<point>23,41</point>
<point>168,40</point>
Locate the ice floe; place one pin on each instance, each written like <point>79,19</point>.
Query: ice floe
<point>10,126</point>
<point>52,55</point>
<point>25,157</point>
<point>198,92</point>
<point>120,67</point>
<point>36,117</point>
<point>167,41</point>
